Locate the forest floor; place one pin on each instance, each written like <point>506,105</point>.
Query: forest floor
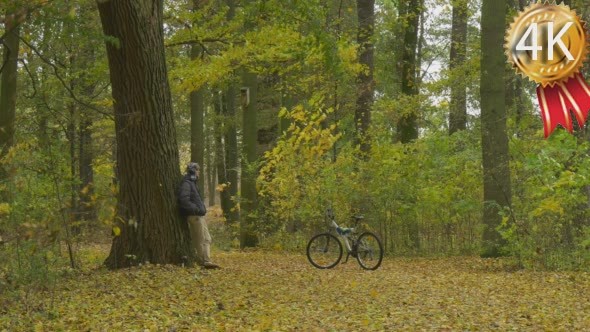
<point>270,291</point>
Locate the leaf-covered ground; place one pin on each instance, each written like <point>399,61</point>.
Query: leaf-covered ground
<point>283,292</point>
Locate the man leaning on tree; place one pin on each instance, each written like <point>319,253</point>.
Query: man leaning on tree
<point>193,209</point>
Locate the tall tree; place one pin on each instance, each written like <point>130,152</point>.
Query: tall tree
<point>249,196</point>
<point>8,81</point>
<point>407,127</point>
<point>231,149</point>
<point>458,107</point>
<point>211,166</point>
<point>232,162</point>
<point>248,201</point>
<point>147,151</point>
<point>220,146</point>
<point>87,210</point>
<point>365,83</point>
<point>197,114</point>
<point>496,172</point>
<point>514,83</point>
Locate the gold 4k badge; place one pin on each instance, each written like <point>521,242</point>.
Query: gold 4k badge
<point>548,44</point>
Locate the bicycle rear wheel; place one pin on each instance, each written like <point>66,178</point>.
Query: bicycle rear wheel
<point>324,251</point>
<point>369,251</point>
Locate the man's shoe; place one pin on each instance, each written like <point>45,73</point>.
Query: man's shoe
<point>209,265</point>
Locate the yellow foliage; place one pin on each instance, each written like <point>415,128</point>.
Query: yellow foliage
<point>4,209</point>
<point>549,205</point>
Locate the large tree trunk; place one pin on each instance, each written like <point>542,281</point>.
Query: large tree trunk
<point>249,199</point>
<point>407,126</point>
<point>458,107</point>
<point>8,94</point>
<point>365,83</point>
<point>496,172</point>
<point>147,151</point>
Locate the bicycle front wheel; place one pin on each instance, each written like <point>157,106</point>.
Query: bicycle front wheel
<point>324,251</point>
<point>369,252</point>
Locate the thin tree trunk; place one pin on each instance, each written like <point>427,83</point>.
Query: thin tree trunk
<point>458,107</point>
<point>86,155</point>
<point>231,138</point>
<point>365,83</point>
<point>224,196</point>
<point>231,151</point>
<point>419,47</point>
<point>197,135</point>
<point>513,84</point>
<point>496,172</point>
<point>71,136</point>
<point>210,165</point>
<point>197,114</point>
<point>249,199</point>
<point>211,172</point>
<point>147,151</point>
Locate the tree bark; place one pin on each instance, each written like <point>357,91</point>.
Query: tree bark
<point>231,151</point>
<point>211,169</point>
<point>496,172</point>
<point>249,196</point>
<point>147,151</point>
<point>231,139</point>
<point>210,166</point>
<point>224,196</point>
<point>86,156</point>
<point>458,107</point>
<point>71,136</point>
<point>197,135</point>
<point>365,82</point>
<point>8,82</point>
<point>197,115</point>
<point>407,126</point>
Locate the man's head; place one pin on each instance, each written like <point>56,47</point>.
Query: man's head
<point>193,170</point>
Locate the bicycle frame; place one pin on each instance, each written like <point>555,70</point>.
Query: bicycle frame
<point>344,234</point>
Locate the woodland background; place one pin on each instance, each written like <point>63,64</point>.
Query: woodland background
<point>405,111</point>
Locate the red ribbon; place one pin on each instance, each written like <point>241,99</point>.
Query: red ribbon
<point>558,101</point>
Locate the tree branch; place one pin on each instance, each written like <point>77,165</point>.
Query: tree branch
<point>32,78</point>
<point>63,83</point>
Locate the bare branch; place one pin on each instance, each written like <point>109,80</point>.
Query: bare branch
<point>31,76</point>
<point>63,83</point>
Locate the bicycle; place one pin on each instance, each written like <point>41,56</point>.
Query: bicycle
<point>324,250</point>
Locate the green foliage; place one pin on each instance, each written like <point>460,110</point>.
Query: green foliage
<point>548,224</point>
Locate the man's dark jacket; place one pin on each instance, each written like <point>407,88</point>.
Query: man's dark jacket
<point>189,198</point>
